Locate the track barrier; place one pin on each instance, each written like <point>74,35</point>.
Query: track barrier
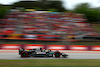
<point>51,47</point>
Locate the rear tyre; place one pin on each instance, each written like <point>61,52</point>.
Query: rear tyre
<point>24,54</point>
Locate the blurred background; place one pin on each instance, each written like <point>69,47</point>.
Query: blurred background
<point>55,21</point>
<point>60,24</point>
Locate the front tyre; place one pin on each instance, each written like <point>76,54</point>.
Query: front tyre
<point>57,54</point>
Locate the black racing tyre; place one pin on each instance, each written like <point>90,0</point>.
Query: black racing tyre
<point>24,54</point>
<point>57,54</point>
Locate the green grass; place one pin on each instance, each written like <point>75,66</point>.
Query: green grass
<point>49,63</point>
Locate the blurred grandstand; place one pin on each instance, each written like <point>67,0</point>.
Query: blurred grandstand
<point>46,26</point>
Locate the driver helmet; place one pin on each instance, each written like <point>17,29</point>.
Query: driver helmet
<point>41,48</point>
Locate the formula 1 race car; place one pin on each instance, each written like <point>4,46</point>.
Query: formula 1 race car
<point>40,53</point>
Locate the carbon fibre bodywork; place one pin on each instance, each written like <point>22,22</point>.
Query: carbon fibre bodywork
<point>40,53</point>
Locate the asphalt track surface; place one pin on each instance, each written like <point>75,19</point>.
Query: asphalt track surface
<point>13,55</point>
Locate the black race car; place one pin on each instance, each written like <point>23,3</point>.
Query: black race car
<point>40,53</point>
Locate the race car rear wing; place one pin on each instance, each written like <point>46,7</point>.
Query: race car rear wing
<point>21,50</point>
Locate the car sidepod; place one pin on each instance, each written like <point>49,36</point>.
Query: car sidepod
<point>49,54</point>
